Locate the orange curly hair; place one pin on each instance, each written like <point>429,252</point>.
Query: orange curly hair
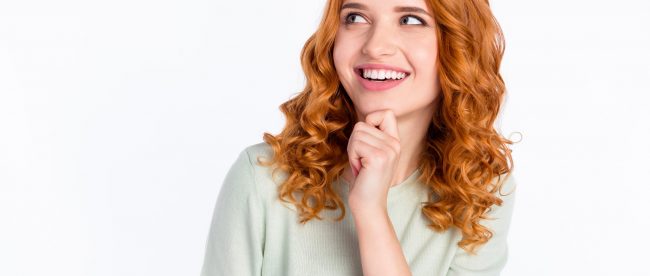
<point>463,153</point>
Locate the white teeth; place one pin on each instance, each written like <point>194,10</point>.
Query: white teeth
<point>382,74</point>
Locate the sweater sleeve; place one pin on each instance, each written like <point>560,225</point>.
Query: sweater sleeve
<point>491,257</point>
<point>236,238</point>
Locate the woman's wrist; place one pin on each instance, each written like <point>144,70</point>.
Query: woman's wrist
<point>362,210</point>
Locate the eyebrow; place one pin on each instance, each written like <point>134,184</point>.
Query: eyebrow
<point>360,6</point>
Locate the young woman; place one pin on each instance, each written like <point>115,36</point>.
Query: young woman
<point>395,124</point>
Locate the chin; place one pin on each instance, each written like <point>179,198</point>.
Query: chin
<point>369,109</point>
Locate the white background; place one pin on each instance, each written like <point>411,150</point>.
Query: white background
<point>119,120</point>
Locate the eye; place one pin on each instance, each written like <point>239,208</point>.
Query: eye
<point>404,20</point>
<point>352,16</point>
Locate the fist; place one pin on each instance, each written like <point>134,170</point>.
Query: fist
<point>373,151</point>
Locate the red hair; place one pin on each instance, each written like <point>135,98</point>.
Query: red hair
<point>463,153</point>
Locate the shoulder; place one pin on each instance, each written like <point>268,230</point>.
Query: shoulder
<point>244,176</point>
<point>248,158</point>
<point>499,215</point>
<point>260,150</point>
<point>507,186</point>
<point>256,153</point>
<point>491,257</point>
<point>258,177</point>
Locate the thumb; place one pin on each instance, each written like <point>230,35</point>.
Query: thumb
<point>385,120</point>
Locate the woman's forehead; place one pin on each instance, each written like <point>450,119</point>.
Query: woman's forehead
<point>387,3</point>
<point>393,5</point>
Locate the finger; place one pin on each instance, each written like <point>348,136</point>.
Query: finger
<point>356,167</point>
<point>385,120</point>
<point>354,159</point>
<point>372,136</point>
<point>384,138</point>
<point>364,154</point>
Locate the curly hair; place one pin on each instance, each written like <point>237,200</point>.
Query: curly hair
<point>463,152</point>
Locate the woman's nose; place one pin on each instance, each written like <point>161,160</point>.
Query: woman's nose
<point>380,41</point>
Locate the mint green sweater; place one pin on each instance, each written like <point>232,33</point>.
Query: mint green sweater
<point>253,233</point>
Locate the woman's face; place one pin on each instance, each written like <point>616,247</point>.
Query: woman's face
<point>394,35</point>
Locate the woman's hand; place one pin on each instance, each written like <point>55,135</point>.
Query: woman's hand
<point>373,154</point>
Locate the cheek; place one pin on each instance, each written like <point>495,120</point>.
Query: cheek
<point>424,56</point>
<point>338,53</point>
<point>342,56</point>
<point>423,50</point>
<point>425,59</point>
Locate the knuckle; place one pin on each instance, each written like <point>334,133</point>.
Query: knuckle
<point>362,134</point>
<point>355,132</point>
<point>351,145</point>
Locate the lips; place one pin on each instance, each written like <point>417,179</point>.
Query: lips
<point>382,84</point>
<point>378,66</point>
<point>379,85</point>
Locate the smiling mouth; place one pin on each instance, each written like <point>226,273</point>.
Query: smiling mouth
<point>360,73</point>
